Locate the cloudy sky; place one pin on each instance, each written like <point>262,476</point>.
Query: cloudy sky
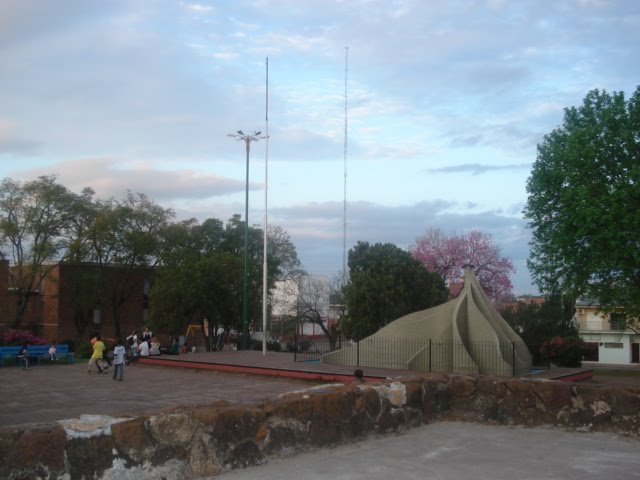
<point>446,102</point>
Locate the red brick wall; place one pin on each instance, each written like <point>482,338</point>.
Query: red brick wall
<point>51,312</point>
<point>8,303</point>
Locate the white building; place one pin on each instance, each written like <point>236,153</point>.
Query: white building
<point>616,343</point>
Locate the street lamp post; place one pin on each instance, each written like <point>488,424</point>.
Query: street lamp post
<point>247,139</point>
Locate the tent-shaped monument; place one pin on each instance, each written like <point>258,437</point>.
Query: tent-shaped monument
<point>466,335</point>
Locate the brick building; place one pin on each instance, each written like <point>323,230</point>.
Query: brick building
<point>66,304</point>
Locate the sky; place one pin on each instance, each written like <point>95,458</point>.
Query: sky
<point>445,102</point>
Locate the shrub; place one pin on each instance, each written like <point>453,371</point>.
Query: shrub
<point>303,346</point>
<point>13,337</point>
<point>84,349</point>
<point>272,345</point>
<point>70,343</point>
<point>565,351</point>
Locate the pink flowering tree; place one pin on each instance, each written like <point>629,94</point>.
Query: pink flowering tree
<point>448,254</point>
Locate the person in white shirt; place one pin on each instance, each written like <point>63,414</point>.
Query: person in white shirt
<point>118,361</point>
<point>154,349</point>
<point>144,349</point>
<point>132,340</point>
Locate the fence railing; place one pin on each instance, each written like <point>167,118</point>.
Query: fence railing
<point>498,358</point>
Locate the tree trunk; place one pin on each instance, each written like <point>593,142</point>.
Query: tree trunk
<point>22,302</point>
<point>115,312</point>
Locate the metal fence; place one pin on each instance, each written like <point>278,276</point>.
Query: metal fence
<point>499,358</point>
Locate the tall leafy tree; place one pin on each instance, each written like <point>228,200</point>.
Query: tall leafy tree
<point>282,252</point>
<point>448,255</point>
<point>583,197</point>
<point>125,238</point>
<point>35,220</point>
<point>200,275</point>
<point>539,323</point>
<point>83,282</point>
<point>385,284</point>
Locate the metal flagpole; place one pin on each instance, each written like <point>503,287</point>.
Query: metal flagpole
<point>344,221</point>
<point>266,196</point>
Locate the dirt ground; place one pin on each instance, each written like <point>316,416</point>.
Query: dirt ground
<point>631,379</point>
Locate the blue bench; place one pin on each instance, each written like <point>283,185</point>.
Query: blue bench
<point>37,352</point>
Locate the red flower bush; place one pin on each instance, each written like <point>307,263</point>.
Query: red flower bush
<point>13,337</point>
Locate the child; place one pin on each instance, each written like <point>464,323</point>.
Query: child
<point>53,356</point>
<point>23,355</point>
<point>96,357</point>
<point>118,361</point>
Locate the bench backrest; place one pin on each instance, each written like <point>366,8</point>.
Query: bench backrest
<point>10,351</point>
<point>35,350</point>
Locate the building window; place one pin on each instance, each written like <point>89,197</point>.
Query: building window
<point>594,324</point>
<point>613,345</point>
<point>618,322</point>
<point>97,322</point>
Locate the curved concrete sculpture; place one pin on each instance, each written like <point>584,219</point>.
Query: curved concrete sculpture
<point>464,335</point>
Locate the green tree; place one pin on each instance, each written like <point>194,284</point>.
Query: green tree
<point>83,281</point>
<point>539,323</point>
<point>35,219</point>
<point>584,192</point>
<point>200,275</point>
<point>124,238</point>
<point>385,284</point>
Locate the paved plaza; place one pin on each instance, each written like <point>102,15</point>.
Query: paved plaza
<point>53,392</point>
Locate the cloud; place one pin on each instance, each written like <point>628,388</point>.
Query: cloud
<point>12,143</point>
<point>198,8</point>
<point>317,230</point>
<point>478,169</point>
<point>111,178</point>
<point>144,92</point>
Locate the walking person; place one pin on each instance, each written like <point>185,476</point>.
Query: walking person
<point>96,356</point>
<point>118,361</point>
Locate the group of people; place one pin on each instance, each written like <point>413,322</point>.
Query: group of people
<point>24,357</point>
<point>144,345</point>
<point>99,358</point>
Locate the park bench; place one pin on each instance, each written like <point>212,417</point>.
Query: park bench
<point>37,352</point>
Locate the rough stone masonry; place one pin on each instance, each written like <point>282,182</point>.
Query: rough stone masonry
<point>200,442</point>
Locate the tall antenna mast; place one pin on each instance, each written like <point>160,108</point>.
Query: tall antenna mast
<point>344,220</point>
<point>266,191</point>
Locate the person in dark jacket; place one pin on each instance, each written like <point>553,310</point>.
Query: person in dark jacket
<point>23,356</point>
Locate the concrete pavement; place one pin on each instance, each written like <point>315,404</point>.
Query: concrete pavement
<point>463,451</point>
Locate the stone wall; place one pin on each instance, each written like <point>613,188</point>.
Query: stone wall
<point>196,442</point>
